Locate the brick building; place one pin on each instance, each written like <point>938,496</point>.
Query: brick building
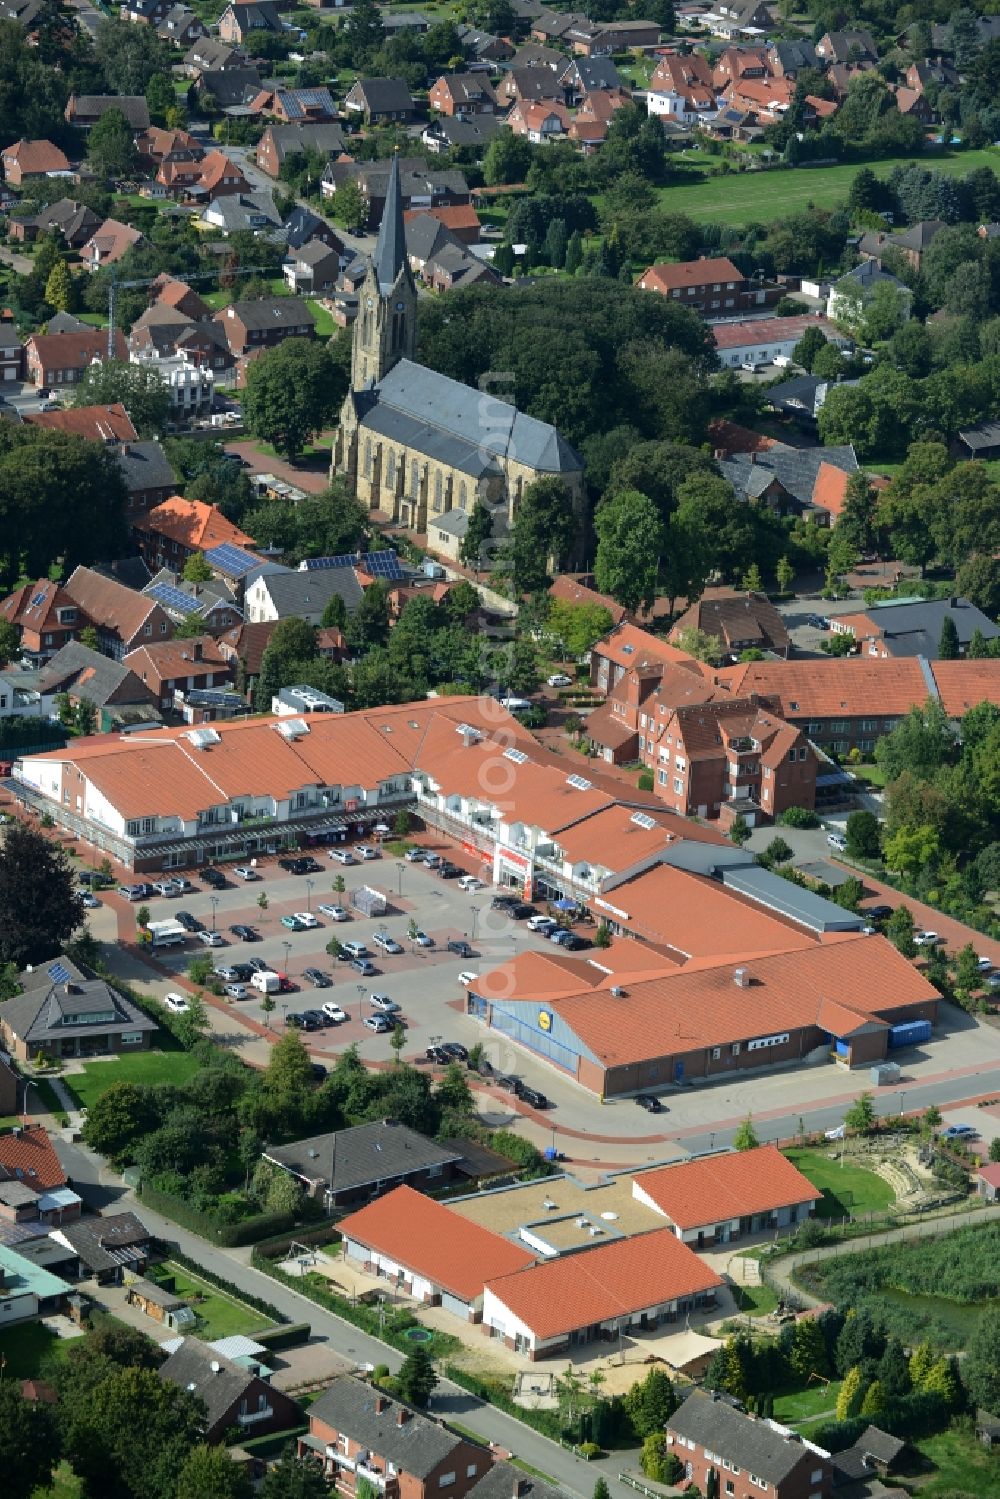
<point>748,1455</point>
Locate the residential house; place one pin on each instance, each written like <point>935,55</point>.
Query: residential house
<point>115,691</point>
<point>802,398</point>
<point>788,59</point>
<point>26,159</point>
<point>571,588</point>
<point>849,48</point>
<point>597,1294</point>
<point>380,100</point>
<point>62,1013</point>
<point>302,225</point>
<point>682,88</point>
<point>552,25</point>
<point>156,145</point>
<point>739,620</point>
<point>769,99</point>
<point>421,186</point>
<point>314,270</point>
<point>11,352</point>
<point>760,341</point>
<point>239,21</point>
<point>586,75</point>
<point>428,1252</point>
<point>173,531</point>
<point>229,90</point>
<point>740,65</point>
<point>364,1162</point>
<point>73,221</point>
<point>108,244</point>
<point>711,1435</point>
<point>540,123</point>
<point>107,424</point>
<point>979,442</point>
<point>27,1155</point>
<point>243,213</point>
<point>720,1198</point>
<point>852,292</point>
<point>911,244</point>
<point>84,110</point>
<point>988,1181</point>
<point>208,55</point>
<point>595,39</point>
<point>710,286</point>
<point>356,1431</point>
<point>280,141</point>
<point>180,26</point>
<point>807,481</point>
<point>406,23</point>
<point>263,323</point>
<point>236,1397</point>
<point>589,126</point>
<point>484,50</point>
<point>27,1290</point>
<point>298,106</point>
<point>214,602</point>
<point>915,104</point>
<point>530,86</point>
<point>735,20</point>
<point>171,668</point>
<point>912,627</point>
<point>243,647</point>
<point>159,1304</point>
<point>625,647</point>
<point>462,94</point>
<point>124,618</point>
<point>460,222</point>
<point>163,332</point>
<point>149,478</point>
<point>919,75</point>
<point>452,134</point>
<point>167,291</point>
<point>45,616</point>
<point>533,56</point>
<point>107,1248</point>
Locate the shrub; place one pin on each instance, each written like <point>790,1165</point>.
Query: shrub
<point>645,781</point>
<point>798,817</point>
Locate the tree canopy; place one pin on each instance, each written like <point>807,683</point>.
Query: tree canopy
<point>292,391</point>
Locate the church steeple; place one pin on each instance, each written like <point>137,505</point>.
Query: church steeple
<point>385,330</point>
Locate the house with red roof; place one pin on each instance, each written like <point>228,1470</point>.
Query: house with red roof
<point>988,1181</point>
<point>26,159</point>
<point>595,1295</point>
<point>64,358</point>
<point>719,1198</point>
<point>171,532</point>
<point>45,616</point>
<point>108,244</point>
<point>27,1155</point>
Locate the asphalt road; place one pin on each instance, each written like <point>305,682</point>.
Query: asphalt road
<point>99,1188</point>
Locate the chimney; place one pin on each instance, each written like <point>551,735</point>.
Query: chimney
<point>520,1487</point>
<point>402,1416</point>
<point>380,1404</point>
<point>741,978</point>
<point>752,457</point>
<point>199,651</point>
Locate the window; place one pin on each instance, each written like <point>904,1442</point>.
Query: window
<point>662,777</point>
<point>678,786</point>
<point>816,1476</point>
<point>736,1048</point>
<point>147,629</point>
<point>132,829</point>
<point>470,1471</point>
<point>438,490</point>
<point>446,1480</point>
<point>716,1053</point>
<point>131,1038</point>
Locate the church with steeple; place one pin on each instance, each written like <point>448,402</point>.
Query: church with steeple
<point>421,448</point>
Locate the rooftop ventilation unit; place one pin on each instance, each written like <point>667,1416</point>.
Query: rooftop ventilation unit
<point>741,978</point>
<point>292,728</point>
<point>643,820</point>
<point>619,992</point>
<point>204,738</point>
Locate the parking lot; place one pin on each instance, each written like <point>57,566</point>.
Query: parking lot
<point>423,981</point>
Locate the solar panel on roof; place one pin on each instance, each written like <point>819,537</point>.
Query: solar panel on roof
<point>172,598</point>
<point>383,565</point>
<point>231,559</point>
<point>38,599</point>
<point>323,564</point>
<point>59,974</point>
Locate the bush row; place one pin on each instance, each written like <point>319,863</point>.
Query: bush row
<point>292,1335</point>
<point>265,1308</point>
<point>228,1235</point>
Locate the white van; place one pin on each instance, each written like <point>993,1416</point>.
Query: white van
<point>267,982</point>
<point>782,361</point>
<point>837,841</point>
<point>355,949</point>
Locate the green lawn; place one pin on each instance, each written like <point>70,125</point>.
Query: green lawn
<point>961,1466</point>
<point>846,1188</point>
<point>145,1067</point>
<point>325,326</point>
<point>64,1485</point>
<point>754,1301</point>
<point>759,197</point>
<point>25,1346</point>
<point>807,1405</point>
<point>219,1316</point>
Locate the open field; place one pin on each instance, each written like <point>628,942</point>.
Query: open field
<point>847,1189</point>
<point>759,197</point>
<point>145,1067</point>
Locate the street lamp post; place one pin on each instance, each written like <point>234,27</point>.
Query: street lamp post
<point>288,953</point>
<point>29,1082</point>
<point>215,906</point>
<point>400,870</point>
<point>474,911</point>
<point>284,1011</point>
<point>309,892</point>
<point>362,991</point>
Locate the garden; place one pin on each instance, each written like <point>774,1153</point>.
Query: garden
<point>219,1315</point>
<point>849,1189</point>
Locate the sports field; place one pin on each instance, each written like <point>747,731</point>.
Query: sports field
<point>759,197</point>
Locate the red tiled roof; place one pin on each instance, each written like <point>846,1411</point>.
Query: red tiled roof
<point>75,350</point>
<point>427,1237</point>
<point>664,277</point>
<point>719,1187</point>
<point>595,1285</point>
<point>110,603</point>
<point>852,686</point>
<point>990,1173</point>
<point>769,330</point>
<point>964,684</point>
<point>629,646</point>
<point>35,156</point>
<point>830,489</point>
<point>100,423</point>
<point>570,590</point>
<point>194,524</point>
<point>28,1156</point>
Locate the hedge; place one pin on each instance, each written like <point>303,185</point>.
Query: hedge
<point>495,1392</point>
<point>266,1308</point>
<point>293,1335</point>
<point>227,1235</point>
<point>325,1233</point>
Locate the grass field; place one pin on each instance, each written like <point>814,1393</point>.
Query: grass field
<point>807,1405</point>
<point>145,1067</point>
<point>759,197</point>
<point>846,1189</point>
<point>325,326</point>
<point>754,1301</point>
<point>64,1485</point>
<point>218,1315</point>
<point>24,1346</point>
<point>961,1466</point>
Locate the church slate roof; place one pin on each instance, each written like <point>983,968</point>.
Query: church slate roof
<point>443,418</point>
<point>390,251</point>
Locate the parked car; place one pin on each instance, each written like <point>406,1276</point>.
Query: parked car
<point>334,1013</point>
<point>258,965</point>
<point>295,1020</point>
<point>245,933</point>
<point>649,1103</point>
<point>293,923</point>
<point>181,885</point>
<point>165,888</point>
<point>334,912</point>
<point>213,877</point>
<point>318,1071</point>
<point>342,855</point>
<point>314,1018</point>
<point>386,943</point>
<point>294,866</point>
<point>421,938</point>
<point>470,882</point>
<point>926,939</point>
<point>571,941</point>
<point>960,1132</point>
<point>176,1003</point>
<point>355,949</point>
<point>89,900</point>
<point>541,923</point>
<point>364,966</point>
<point>818,621</point>
<point>560,679</point>
<point>508,1082</point>
<point>307,919</point>
<point>237,991</point>
<point>415,855</point>
<point>467,978</point>
<point>460,946</point>
<point>532,1097</point>
<point>877,913</point>
<point>837,841</point>
<point>245,872</point>
<point>188,922</point>
<point>133,892</point>
<point>317,978</point>
<point>385,1004</point>
<point>456,1051</point>
<point>503,902</point>
<point>212,939</point>
<point>368,851</point>
<point>446,870</point>
<point>378,1023</point>
<point>433,860</point>
<point>438,1055</point>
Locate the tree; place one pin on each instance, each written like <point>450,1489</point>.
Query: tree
<point>900,929</point>
<point>862,835</point>
<point>967,975</point>
<point>397,1041</point>
<point>784,572</point>
<point>650,1402</point>
<point>601,1490</point>
<point>981,1365</point>
<point>111,146</point>
<point>861,1114</point>
<point>477,533</point>
<point>59,289</point>
<point>851,1394</point>
<point>453,1091</point>
<point>544,528</point>
<point>808,346</point>
<point>874,1402</point>
<point>746,1137</point>
<point>292,391</point>
<point>507,158</point>
<point>29,1447</point>
<point>948,646</point>
<point>10,642</point>
<point>210,1473</point>
<point>39,904</point>
<point>196,569</point>
<point>911,849</point>
<point>334,616</point>
<point>369,625</point>
<point>294,1478</point>
<point>62,498</point>
<point>350,206</point>
<point>740,830</point>
<point>630,539</point>
<point>417,1378</point>
<point>141,390</point>
<point>778,851</point>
